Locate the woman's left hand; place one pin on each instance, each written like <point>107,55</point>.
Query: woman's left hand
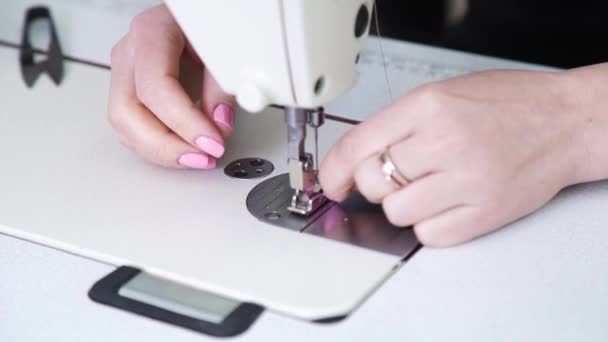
<point>479,151</point>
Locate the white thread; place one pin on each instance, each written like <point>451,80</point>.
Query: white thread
<point>384,62</point>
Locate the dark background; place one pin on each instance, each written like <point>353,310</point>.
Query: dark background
<point>559,33</point>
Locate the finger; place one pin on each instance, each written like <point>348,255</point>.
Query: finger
<point>454,227</point>
<point>158,48</point>
<point>137,128</point>
<point>218,104</point>
<point>122,85</point>
<point>417,157</point>
<point>215,102</point>
<point>422,199</point>
<point>368,138</point>
<point>371,181</point>
<point>156,143</point>
<point>122,88</point>
<point>412,157</point>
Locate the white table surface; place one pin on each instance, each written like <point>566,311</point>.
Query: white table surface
<point>542,278</point>
<point>533,281</point>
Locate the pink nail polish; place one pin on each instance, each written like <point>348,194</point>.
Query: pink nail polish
<point>210,145</point>
<point>197,161</point>
<point>223,115</point>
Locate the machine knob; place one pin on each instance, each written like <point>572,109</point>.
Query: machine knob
<point>251,97</point>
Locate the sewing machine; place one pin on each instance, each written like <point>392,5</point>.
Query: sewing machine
<point>193,249</point>
<point>297,54</point>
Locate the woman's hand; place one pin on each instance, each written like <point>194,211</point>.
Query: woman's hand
<point>148,107</point>
<point>479,151</point>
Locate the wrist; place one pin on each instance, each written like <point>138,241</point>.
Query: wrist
<point>586,90</point>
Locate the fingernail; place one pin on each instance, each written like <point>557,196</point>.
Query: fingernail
<point>197,161</point>
<point>223,115</point>
<point>210,145</point>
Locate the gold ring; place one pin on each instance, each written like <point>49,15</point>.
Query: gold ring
<point>391,173</point>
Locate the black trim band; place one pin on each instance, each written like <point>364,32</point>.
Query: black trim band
<point>105,291</point>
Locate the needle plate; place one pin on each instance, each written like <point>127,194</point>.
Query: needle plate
<point>354,221</point>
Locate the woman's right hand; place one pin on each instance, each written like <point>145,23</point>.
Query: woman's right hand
<point>148,107</point>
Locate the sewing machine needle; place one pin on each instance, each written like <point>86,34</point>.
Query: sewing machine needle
<point>317,148</point>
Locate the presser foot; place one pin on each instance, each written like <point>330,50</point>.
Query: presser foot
<point>303,203</point>
<point>307,196</point>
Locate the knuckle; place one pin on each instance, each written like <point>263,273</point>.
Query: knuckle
<point>429,91</point>
<point>116,54</point>
<point>325,178</point>
<point>114,119</point>
<point>363,186</point>
<point>346,148</point>
<point>427,237</point>
<point>367,183</point>
<point>367,191</point>
<point>456,144</point>
<point>140,22</point>
<point>393,213</point>
<point>429,96</point>
<point>120,52</point>
<point>146,90</point>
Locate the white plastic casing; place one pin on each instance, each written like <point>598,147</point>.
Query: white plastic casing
<point>275,51</point>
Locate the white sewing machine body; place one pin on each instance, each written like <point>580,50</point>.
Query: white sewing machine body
<point>67,183</point>
<point>296,53</point>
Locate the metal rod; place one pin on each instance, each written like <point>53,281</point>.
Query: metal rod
<point>332,117</point>
<point>296,132</point>
<point>316,161</point>
<point>342,119</point>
